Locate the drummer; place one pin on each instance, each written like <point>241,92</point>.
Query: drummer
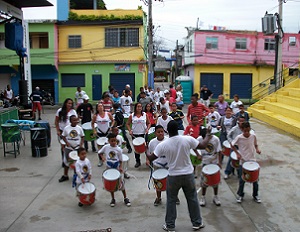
<point>210,155</point>
<point>83,169</point>
<point>138,125</point>
<point>85,111</point>
<point>247,144</point>
<point>104,121</point>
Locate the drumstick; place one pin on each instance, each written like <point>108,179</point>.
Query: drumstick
<point>199,189</point>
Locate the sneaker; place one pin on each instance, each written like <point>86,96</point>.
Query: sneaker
<point>167,229</point>
<point>226,177</point>
<point>177,201</point>
<point>63,178</point>
<point>129,150</point>
<point>40,119</point>
<point>239,199</point>
<point>127,202</point>
<point>126,176</point>
<point>137,165</point>
<point>216,201</point>
<point>257,199</point>
<point>157,201</point>
<point>202,201</point>
<point>198,227</point>
<point>112,203</point>
<point>80,204</point>
<point>100,163</point>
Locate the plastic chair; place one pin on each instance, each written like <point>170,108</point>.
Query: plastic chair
<point>11,134</point>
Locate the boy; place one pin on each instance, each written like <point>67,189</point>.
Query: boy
<point>113,157</point>
<point>163,104</point>
<point>126,102</point>
<point>210,155</point>
<point>73,136</point>
<point>193,129</point>
<point>83,169</point>
<point>177,115</point>
<point>213,116</point>
<point>247,144</point>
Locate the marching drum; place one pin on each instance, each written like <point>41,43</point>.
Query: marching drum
<point>151,134</point>
<point>125,159</point>
<point>235,162</point>
<point>62,142</point>
<point>250,171</point>
<point>73,157</point>
<point>101,142</point>
<point>111,180</point>
<point>88,131</point>
<point>226,148</point>
<point>211,175</point>
<point>215,132</point>
<point>194,158</point>
<point>87,193</point>
<point>139,145</point>
<point>159,177</point>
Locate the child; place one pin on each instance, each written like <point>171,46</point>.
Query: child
<point>73,136</point>
<point>235,104</point>
<point>210,155</point>
<point>83,169</point>
<point>247,144</point>
<point>164,119</point>
<point>193,129</point>
<point>113,157</point>
<point>150,113</point>
<point>177,115</point>
<point>213,117</point>
<point>164,104</point>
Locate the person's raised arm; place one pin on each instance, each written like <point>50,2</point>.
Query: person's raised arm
<point>204,143</point>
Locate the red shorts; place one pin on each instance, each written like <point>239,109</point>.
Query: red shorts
<point>36,105</point>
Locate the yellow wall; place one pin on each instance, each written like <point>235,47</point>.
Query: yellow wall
<point>118,13</point>
<point>259,74</point>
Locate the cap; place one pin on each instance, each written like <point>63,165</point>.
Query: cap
<point>85,97</point>
<point>128,85</point>
<point>37,88</point>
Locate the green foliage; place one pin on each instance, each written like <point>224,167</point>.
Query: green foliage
<point>76,17</point>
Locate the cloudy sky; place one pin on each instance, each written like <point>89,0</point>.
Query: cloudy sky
<point>170,17</point>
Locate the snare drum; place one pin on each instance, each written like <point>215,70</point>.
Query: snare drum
<point>159,177</point>
<point>235,162</point>
<point>139,145</point>
<point>215,132</point>
<point>86,193</point>
<point>151,134</point>
<point>226,148</point>
<point>111,180</point>
<point>194,158</point>
<point>211,175</point>
<point>125,159</point>
<point>101,142</point>
<point>73,157</point>
<point>250,171</point>
<point>88,131</point>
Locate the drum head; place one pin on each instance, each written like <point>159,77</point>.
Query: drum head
<point>210,169</point>
<point>151,130</point>
<point>125,158</point>
<point>126,115</point>
<point>160,174</point>
<point>111,174</point>
<point>193,153</point>
<point>62,142</point>
<point>226,144</point>
<point>73,155</point>
<point>86,188</point>
<point>214,130</point>
<point>251,165</point>
<point>233,156</point>
<point>138,141</point>
<point>102,141</point>
<point>88,126</point>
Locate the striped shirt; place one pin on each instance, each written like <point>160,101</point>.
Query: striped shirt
<point>199,110</point>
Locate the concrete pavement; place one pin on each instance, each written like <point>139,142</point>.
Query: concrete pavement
<point>32,199</point>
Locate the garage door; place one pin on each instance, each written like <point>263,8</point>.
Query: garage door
<point>213,81</point>
<point>46,85</point>
<point>240,84</point>
<point>119,80</point>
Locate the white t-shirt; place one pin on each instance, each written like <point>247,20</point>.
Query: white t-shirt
<point>235,106</point>
<point>103,123</point>
<point>246,146</point>
<point>112,154</point>
<point>120,140</point>
<point>176,149</point>
<point>139,124</point>
<point>125,103</point>
<point>161,161</point>
<point>214,118</point>
<point>9,94</point>
<point>83,169</point>
<point>63,124</point>
<point>228,123</point>
<point>210,153</point>
<point>73,135</point>
<point>79,95</point>
<point>179,96</point>
<point>158,95</point>
<point>166,105</point>
<point>164,123</point>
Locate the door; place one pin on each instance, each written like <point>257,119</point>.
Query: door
<point>241,84</point>
<point>97,87</point>
<point>213,81</point>
<point>119,80</point>
<point>46,85</point>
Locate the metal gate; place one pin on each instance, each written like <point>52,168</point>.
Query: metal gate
<point>213,81</point>
<point>119,80</point>
<point>240,84</point>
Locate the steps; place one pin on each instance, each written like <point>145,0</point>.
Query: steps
<point>280,109</point>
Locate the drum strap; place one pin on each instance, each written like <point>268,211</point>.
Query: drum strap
<point>74,180</point>
<point>104,133</point>
<point>163,165</point>
<point>112,164</point>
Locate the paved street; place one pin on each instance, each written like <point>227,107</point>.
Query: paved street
<point>32,199</point>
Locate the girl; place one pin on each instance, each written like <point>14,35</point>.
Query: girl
<point>164,119</point>
<point>225,124</point>
<point>151,115</point>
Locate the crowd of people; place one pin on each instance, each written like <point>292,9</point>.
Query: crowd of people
<point>157,117</point>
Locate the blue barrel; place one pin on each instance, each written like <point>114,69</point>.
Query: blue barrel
<point>39,145</point>
<point>187,87</point>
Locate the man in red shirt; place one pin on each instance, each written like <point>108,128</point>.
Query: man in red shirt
<point>107,103</point>
<point>198,109</point>
<point>172,92</point>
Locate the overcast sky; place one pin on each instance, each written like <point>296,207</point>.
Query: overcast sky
<point>170,17</point>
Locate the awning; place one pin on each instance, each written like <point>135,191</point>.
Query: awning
<point>28,3</point>
<point>44,72</point>
<point>7,69</point>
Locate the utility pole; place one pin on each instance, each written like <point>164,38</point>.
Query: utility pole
<point>279,61</point>
<point>150,46</point>
<point>176,62</point>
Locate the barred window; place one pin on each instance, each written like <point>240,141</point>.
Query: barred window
<point>74,41</point>
<point>121,37</point>
<point>269,44</point>
<point>241,43</point>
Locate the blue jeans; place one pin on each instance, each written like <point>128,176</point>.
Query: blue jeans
<point>187,183</point>
<point>240,191</point>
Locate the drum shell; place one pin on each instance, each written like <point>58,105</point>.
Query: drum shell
<point>139,147</point>
<point>235,163</point>
<point>226,149</point>
<point>160,183</point>
<point>88,198</point>
<point>39,144</point>
<point>111,185</point>
<point>250,175</point>
<point>46,125</point>
<point>211,179</point>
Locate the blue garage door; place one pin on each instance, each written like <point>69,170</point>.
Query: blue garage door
<point>119,80</point>
<point>240,84</point>
<point>213,81</point>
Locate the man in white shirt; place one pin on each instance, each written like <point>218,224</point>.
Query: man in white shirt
<point>79,96</point>
<point>126,102</point>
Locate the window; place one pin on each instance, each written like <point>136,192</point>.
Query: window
<point>74,41</point>
<point>241,43</point>
<point>72,80</point>
<point>211,43</point>
<point>121,37</point>
<point>38,40</point>
<point>292,41</point>
<point>2,40</point>
<point>269,44</point>
<point>293,71</point>
<point>191,43</point>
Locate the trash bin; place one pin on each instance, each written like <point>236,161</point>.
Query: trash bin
<point>39,146</point>
<point>46,125</point>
